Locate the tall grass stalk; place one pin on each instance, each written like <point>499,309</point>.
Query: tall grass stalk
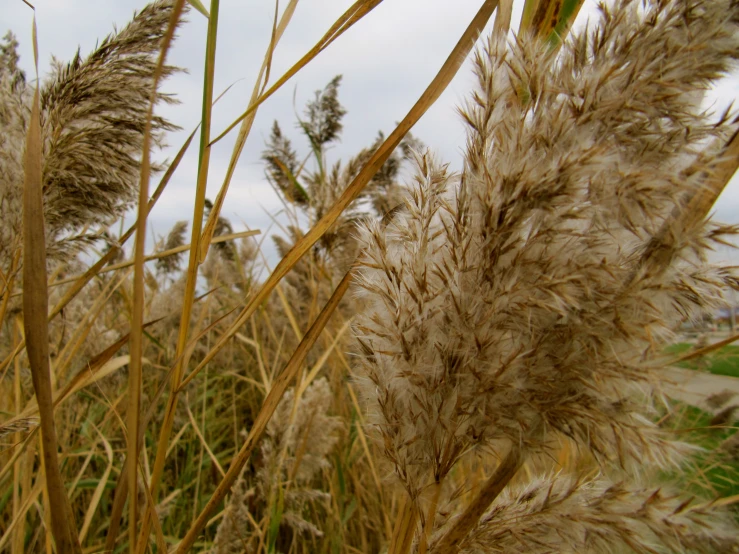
<point>137,322</point>
<point>35,308</point>
<point>192,270</point>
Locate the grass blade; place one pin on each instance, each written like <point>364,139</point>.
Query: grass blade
<point>550,20</point>
<point>503,17</point>
<point>100,488</point>
<point>529,9</point>
<point>198,5</point>
<point>137,323</point>
<point>192,270</point>
<point>246,125</point>
<point>356,12</point>
<point>35,323</point>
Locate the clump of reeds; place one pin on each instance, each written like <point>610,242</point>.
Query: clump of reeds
<point>314,190</point>
<point>529,297</point>
<point>299,440</point>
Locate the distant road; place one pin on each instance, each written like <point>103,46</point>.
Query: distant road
<point>693,386</point>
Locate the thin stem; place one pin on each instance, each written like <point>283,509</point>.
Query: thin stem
<point>193,265</point>
<point>451,541</point>
<point>405,528</point>
<point>135,376</point>
<point>428,525</point>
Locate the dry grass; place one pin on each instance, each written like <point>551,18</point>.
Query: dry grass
<point>508,321</point>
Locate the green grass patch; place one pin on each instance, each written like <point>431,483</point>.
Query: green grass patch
<point>712,471</point>
<point>724,361</point>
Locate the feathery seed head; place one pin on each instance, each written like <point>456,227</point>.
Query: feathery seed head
<point>598,516</point>
<point>93,114</point>
<point>175,238</point>
<point>514,302</point>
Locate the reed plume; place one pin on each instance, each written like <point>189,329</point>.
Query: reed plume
<point>314,191</point>
<point>296,449</point>
<point>597,515</point>
<point>530,296</point>
<point>175,238</point>
<point>93,111</point>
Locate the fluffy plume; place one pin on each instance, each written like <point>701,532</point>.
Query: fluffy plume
<point>176,238</point>
<point>234,532</point>
<point>515,302</point>
<point>324,115</point>
<point>298,440</point>
<point>93,116</point>
<point>564,514</point>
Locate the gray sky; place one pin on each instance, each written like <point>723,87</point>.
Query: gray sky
<point>386,60</point>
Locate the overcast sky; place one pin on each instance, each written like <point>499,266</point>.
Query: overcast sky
<point>387,60</point>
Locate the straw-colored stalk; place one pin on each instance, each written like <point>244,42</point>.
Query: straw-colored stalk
<point>192,270</point>
<point>35,309</point>
<point>137,322</point>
